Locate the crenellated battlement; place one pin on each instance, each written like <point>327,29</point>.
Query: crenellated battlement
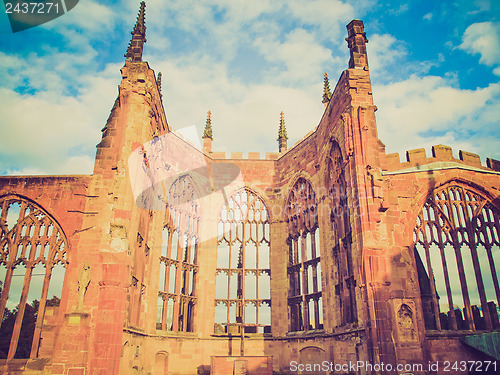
<point>239,156</point>
<point>440,153</point>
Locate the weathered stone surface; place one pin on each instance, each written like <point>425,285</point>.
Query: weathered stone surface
<point>372,310</point>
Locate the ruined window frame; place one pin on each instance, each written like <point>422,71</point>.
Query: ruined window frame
<point>454,218</point>
<point>305,299</point>
<point>176,303</point>
<point>344,280</point>
<point>27,233</point>
<point>244,219</point>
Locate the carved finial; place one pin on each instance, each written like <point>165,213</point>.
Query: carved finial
<point>158,83</point>
<point>208,127</point>
<point>282,137</point>
<point>134,51</point>
<point>327,94</point>
<point>356,41</point>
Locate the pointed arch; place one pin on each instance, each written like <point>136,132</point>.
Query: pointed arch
<point>243,272</point>
<point>31,241</point>
<point>305,299</point>
<point>457,257</point>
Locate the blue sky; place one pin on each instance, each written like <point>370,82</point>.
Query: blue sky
<point>435,69</point>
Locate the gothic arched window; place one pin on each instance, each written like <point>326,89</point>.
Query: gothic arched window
<point>32,254</point>
<point>341,228</point>
<point>178,263</point>
<point>304,268</point>
<point>243,289</point>
<point>457,256</point>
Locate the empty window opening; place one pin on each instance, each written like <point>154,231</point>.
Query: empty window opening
<point>304,273</point>
<point>178,263</point>
<point>457,255</point>
<point>243,274</point>
<point>32,268</point>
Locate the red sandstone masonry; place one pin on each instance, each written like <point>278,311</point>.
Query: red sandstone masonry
<point>440,153</point>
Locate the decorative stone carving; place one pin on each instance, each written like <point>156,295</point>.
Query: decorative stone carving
<point>406,325</point>
<point>83,283</point>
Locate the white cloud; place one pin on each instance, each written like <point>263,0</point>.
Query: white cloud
<point>463,119</point>
<point>244,117</point>
<point>300,57</point>
<point>483,39</point>
<point>403,8</point>
<point>428,16</point>
<point>328,15</point>
<point>384,50</point>
<point>88,15</point>
<point>53,133</point>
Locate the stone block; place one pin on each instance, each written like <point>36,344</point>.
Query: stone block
<point>470,158</point>
<point>416,156</point>
<point>218,155</point>
<point>493,164</point>
<point>442,152</point>
<point>272,155</point>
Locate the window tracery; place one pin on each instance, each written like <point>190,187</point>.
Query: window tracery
<point>304,268</point>
<point>33,252</point>
<point>341,229</point>
<point>178,260</point>
<point>243,271</point>
<point>457,254</point>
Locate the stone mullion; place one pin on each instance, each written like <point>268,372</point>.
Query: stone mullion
<point>313,243</point>
<point>296,251</point>
<point>184,303</point>
<point>435,305</point>
<point>448,288</point>
<point>41,312</point>
<point>493,272</point>
<point>305,285</point>
<point>187,267</point>
<point>480,284</point>
<point>188,249</point>
<point>230,270</point>
<point>229,274</point>
<point>496,222</point>
<point>315,279</point>
<point>22,212</point>
<point>5,208</point>
<point>243,270</point>
<point>167,276</point>
<point>164,313</point>
<point>446,277</point>
<point>314,266</point>
<point>463,281</point>
<point>20,311</point>
<point>488,246</point>
<point>316,312</point>
<point>477,267</point>
<point>175,324</point>
<point>6,285</point>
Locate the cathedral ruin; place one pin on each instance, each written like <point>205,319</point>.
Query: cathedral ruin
<point>171,259</point>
